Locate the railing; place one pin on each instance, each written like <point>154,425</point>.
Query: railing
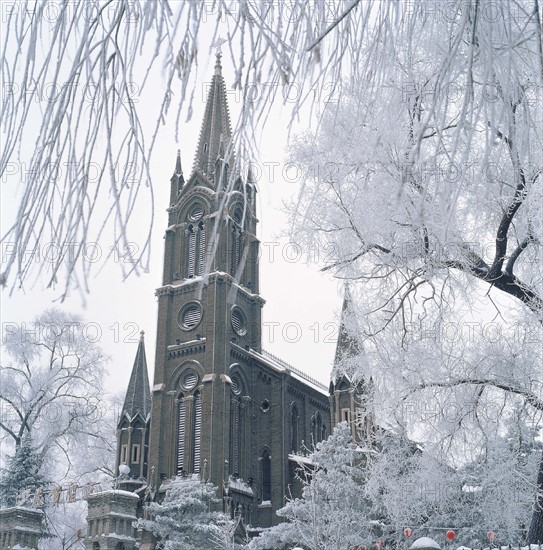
<point>295,370</point>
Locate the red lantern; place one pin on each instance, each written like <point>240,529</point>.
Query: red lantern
<point>491,536</point>
<point>407,532</point>
<point>450,534</point>
<point>381,543</point>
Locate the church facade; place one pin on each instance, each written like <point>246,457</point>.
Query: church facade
<point>219,408</point>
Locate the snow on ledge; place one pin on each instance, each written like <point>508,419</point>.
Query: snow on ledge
<point>300,459</point>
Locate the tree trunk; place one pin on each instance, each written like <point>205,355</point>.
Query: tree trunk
<point>535,533</point>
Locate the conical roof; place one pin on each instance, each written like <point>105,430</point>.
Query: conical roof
<point>216,133</point>
<point>138,395</point>
<point>346,346</point>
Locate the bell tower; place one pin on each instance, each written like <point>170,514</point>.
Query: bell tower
<point>208,302</point>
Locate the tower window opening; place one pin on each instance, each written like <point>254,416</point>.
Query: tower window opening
<point>181,435</point>
<point>191,251</point>
<point>135,459</point>
<point>201,248</point>
<point>197,431</point>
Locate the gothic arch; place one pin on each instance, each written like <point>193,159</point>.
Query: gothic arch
<point>174,383</point>
<point>198,195</point>
<point>236,369</point>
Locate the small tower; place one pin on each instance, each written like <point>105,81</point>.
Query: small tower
<point>133,426</point>
<point>348,398</point>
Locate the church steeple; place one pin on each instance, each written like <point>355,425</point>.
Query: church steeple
<point>177,181</point>
<point>133,427</point>
<point>216,133</point>
<point>138,395</point>
<point>347,346</point>
<point>348,394</point>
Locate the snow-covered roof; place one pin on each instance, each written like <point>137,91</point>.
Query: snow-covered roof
<point>425,542</point>
<point>117,492</point>
<point>240,486</point>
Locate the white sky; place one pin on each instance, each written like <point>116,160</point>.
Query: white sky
<point>301,314</point>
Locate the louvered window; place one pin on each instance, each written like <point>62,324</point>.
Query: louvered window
<point>181,435</point>
<point>238,250</point>
<point>236,387</point>
<point>190,315</point>
<point>189,380</point>
<point>201,248</point>
<point>197,431</point>
<point>236,436</point>
<point>196,212</point>
<point>239,323</point>
<point>191,252</point>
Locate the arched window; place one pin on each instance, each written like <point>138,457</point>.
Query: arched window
<point>197,431</point>
<point>316,425</point>
<point>196,241</point>
<point>95,546</point>
<point>181,434</point>
<point>266,476</point>
<point>294,430</point>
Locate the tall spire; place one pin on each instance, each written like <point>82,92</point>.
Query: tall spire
<point>347,346</point>
<point>178,167</point>
<point>216,131</point>
<point>138,395</point>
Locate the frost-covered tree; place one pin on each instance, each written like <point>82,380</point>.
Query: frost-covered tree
<point>186,520</point>
<point>103,63</point>
<point>426,181</point>
<point>51,384</point>
<point>332,512</point>
<point>408,486</point>
<point>21,475</point>
<point>51,393</point>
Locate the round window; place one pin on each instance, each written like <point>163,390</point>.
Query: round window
<point>239,321</point>
<point>190,315</point>
<point>236,386</point>
<point>189,380</point>
<point>265,407</point>
<point>238,215</point>
<point>196,212</point>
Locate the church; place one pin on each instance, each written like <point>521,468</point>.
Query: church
<point>219,408</point>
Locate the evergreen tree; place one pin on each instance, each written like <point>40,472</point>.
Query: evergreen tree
<point>332,513</point>
<point>22,473</point>
<point>183,521</point>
